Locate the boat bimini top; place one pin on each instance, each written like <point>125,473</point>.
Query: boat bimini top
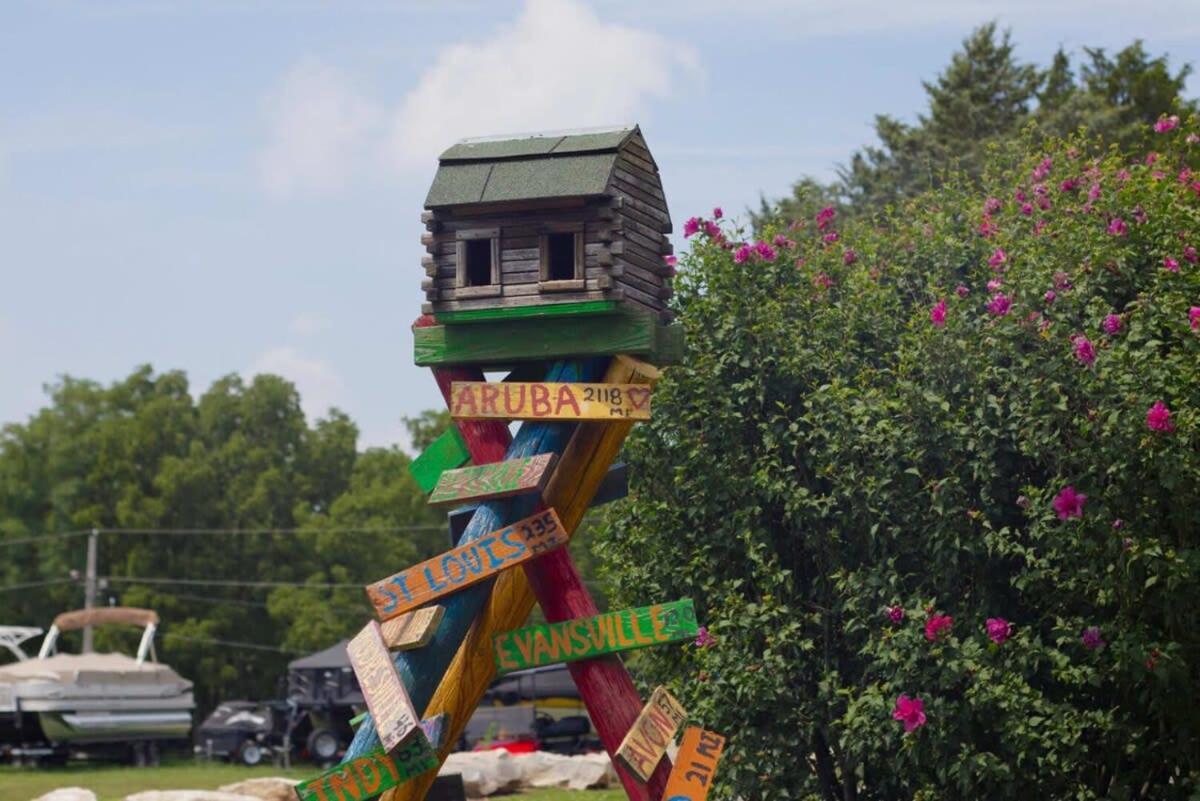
<point>105,616</point>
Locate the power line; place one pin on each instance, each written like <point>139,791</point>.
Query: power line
<point>232,644</point>
<point>43,538</point>
<point>229,582</point>
<point>30,584</point>
<point>191,532</point>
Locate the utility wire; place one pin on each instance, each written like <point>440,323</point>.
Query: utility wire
<point>43,537</point>
<point>191,532</point>
<point>28,585</point>
<point>228,582</point>
<point>231,644</point>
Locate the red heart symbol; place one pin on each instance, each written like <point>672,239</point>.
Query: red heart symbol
<point>635,393</point>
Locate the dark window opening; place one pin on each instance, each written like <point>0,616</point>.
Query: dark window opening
<point>560,257</point>
<point>478,270</point>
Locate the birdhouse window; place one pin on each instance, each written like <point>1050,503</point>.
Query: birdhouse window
<point>478,256</point>
<point>561,249</point>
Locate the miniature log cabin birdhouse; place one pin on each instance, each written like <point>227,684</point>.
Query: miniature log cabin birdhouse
<point>545,225</point>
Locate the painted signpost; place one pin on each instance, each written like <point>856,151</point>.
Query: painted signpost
<point>652,732</point>
<point>412,629</point>
<point>369,775</point>
<point>473,484</point>
<point>470,562</point>
<point>695,765</point>
<point>585,638</point>
<point>512,400</point>
<point>391,709</point>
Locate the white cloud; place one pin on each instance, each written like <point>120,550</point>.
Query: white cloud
<point>306,324</point>
<point>556,66</point>
<point>320,386</point>
<point>319,128</point>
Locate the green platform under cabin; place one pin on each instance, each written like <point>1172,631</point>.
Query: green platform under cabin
<point>514,339</point>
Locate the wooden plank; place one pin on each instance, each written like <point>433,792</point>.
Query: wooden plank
<point>541,339</point>
<point>474,400</point>
<point>612,700</point>
<point>391,710</point>
<point>435,727</point>
<point>589,637</point>
<point>371,774</point>
<point>499,480</point>
<point>651,733</point>
<point>412,630</point>
<point>695,765</point>
<point>445,453</point>
<point>467,564</point>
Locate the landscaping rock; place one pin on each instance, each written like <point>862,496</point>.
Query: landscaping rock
<point>267,788</point>
<point>189,795</point>
<point>68,794</point>
<point>484,772</point>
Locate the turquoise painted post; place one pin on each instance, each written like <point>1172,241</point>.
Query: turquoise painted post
<point>422,670</point>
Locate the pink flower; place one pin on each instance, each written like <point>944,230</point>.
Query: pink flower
<point>1112,324</point>
<point>1000,304</point>
<point>1050,297</point>
<point>1085,351</point>
<point>1091,638</point>
<point>1062,281</point>
<point>994,284</point>
<point>910,711</point>
<point>1192,138</point>
<point>830,238</point>
<point>1068,185</point>
<point>1094,193</point>
<point>1117,227</point>
<point>741,254</point>
<point>1194,317</point>
<point>991,205</point>
<point>1123,175</point>
<point>1042,169</point>
<point>1190,255</point>
<point>704,639</point>
<point>825,217</point>
<point>1027,209</point>
<point>717,213</point>
<point>998,629</point>
<point>962,291</point>
<point>999,257</point>
<point>937,315</point>
<point>671,261</point>
<point>691,226</point>
<point>896,614</point>
<point>1151,158</point>
<point>1185,175</point>
<point>1069,503</point>
<point>1139,215</point>
<point>712,229</point>
<point>937,625</point>
<point>1020,195</point>
<point>1039,226</point>
<point>1165,124</point>
<point>849,257</point>
<point>822,281</point>
<point>1159,418</point>
<point>765,251</point>
<point>986,228</point>
<point>1170,264</point>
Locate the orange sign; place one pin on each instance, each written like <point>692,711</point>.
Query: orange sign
<point>695,765</point>
<point>468,563</point>
<point>651,733</point>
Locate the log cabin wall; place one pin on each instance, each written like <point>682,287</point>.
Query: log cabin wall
<point>623,240</point>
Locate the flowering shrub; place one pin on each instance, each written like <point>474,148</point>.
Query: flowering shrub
<point>1018,468</point>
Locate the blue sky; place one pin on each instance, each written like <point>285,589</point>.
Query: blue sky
<point>224,186</point>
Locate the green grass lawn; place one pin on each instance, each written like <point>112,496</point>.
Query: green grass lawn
<point>113,783</point>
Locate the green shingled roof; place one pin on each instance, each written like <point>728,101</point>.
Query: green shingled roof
<point>531,167</point>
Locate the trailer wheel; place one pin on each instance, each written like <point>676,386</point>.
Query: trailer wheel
<point>322,745</point>
<point>250,753</point>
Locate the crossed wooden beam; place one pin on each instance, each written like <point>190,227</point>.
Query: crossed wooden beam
<point>509,556</point>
